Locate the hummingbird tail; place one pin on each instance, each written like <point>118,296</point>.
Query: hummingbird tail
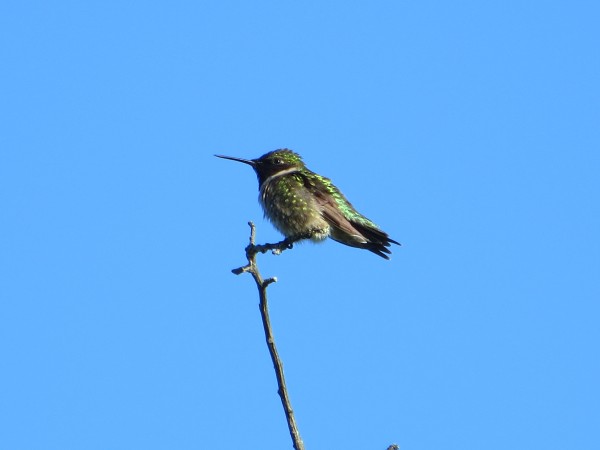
<point>377,241</point>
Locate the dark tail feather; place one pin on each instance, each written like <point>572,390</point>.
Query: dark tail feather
<point>378,249</point>
<point>379,241</point>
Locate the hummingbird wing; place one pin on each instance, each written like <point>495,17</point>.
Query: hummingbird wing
<point>347,225</point>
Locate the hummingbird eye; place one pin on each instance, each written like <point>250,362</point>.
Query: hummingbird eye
<point>278,161</point>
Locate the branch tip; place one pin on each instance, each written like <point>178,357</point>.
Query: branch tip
<point>268,281</point>
<point>251,251</point>
<point>241,270</point>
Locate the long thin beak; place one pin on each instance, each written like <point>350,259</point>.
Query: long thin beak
<point>245,161</point>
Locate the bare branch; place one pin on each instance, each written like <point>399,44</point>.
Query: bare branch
<point>251,251</point>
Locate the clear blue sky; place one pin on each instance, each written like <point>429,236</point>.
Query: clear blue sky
<point>470,131</point>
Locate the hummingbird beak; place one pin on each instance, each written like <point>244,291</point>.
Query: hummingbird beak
<point>250,162</point>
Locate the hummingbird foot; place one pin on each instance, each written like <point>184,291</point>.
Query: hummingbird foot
<point>278,247</point>
<point>316,234</point>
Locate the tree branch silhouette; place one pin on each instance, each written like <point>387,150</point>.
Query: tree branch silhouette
<point>252,268</point>
<point>251,251</point>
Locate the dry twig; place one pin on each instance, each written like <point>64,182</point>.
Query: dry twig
<point>251,251</point>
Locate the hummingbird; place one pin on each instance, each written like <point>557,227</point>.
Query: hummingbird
<point>302,204</point>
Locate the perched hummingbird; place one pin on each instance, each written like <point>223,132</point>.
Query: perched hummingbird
<point>300,202</point>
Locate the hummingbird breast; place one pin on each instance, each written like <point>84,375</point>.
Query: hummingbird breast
<point>291,207</point>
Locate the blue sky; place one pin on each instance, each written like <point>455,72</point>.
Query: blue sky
<point>468,130</point>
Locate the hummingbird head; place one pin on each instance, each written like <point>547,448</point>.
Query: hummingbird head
<point>277,162</point>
